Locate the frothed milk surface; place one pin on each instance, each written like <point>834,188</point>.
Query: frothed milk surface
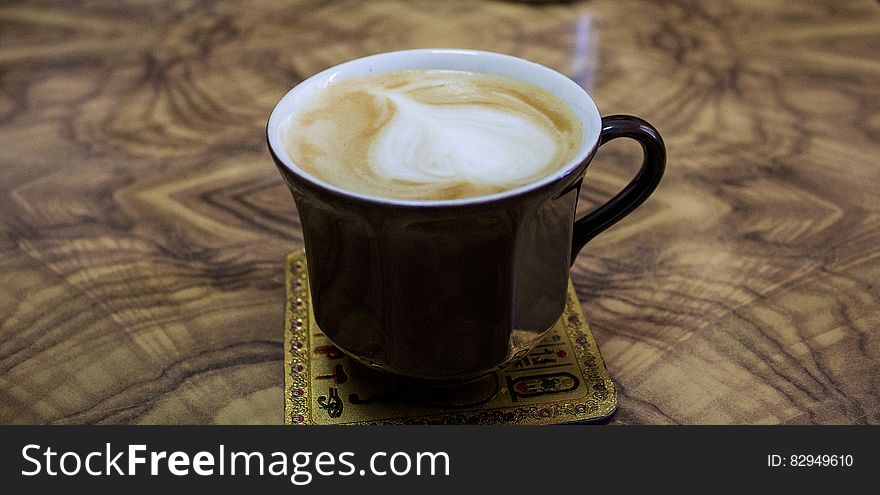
<point>432,134</point>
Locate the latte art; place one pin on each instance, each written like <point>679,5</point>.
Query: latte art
<point>435,144</point>
<point>430,134</point>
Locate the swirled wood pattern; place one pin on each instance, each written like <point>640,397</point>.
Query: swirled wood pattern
<point>143,226</point>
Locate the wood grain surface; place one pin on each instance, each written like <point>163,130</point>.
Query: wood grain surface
<point>143,225</point>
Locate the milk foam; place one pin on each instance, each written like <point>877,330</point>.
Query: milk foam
<point>437,144</point>
<point>430,134</point>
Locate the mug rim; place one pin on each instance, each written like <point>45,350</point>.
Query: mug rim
<point>548,79</point>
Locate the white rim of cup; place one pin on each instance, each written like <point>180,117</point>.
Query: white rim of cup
<point>475,61</point>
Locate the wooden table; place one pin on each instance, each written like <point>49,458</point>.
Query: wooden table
<point>143,225</point>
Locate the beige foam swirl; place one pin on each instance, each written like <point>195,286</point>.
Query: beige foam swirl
<point>429,134</point>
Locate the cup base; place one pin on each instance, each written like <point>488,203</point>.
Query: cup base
<point>445,394</point>
<point>563,380</point>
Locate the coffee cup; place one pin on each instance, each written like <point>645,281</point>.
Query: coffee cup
<point>448,287</point>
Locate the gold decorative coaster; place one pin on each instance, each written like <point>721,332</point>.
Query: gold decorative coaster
<point>563,380</point>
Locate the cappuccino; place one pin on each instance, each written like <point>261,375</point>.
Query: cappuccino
<point>432,134</point>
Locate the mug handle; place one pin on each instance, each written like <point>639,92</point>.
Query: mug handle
<point>637,191</point>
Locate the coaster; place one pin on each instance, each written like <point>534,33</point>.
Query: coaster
<point>563,380</point>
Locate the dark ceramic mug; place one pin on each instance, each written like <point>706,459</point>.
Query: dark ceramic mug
<point>452,289</point>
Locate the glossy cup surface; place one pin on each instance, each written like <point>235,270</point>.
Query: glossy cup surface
<point>440,289</point>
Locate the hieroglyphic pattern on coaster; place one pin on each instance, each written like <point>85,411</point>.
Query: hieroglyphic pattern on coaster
<point>562,380</point>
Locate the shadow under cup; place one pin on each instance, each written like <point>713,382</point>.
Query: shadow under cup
<point>449,290</point>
